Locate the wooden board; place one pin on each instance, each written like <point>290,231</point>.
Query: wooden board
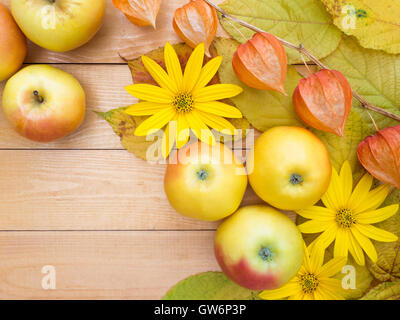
<point>85,205</point>
<point>101,265</point>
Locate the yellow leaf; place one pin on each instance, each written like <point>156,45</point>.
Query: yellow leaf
<point>376,24</point>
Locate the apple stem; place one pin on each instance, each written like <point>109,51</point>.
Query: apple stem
<point>265,254</point>
<point>296,179</point>
<point>202,174</point>
<point>37,96</point>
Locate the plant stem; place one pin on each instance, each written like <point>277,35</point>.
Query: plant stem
<point>365,104</point>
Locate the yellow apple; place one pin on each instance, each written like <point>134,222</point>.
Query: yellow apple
<point>259,248</point>
<point>289,168</point>
<point>59,25</point>
<point>206,182</point>
<point>43,103</point>
<point>12,45</point>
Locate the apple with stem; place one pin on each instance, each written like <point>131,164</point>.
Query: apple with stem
<point>43,103</point>
<point>58,25</point>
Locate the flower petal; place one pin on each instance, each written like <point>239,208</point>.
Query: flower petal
<point>332,267</point>
<point>313,226</point>
<point>217,123</point>
<point>376,233</point>
<point>150,93</point>
<point>318,213</point>
<point>378,215</point>
<point>328,292</point>
<point>159,74</point>
<point>168,139</point>
<point>374,199</point>
<point>183,132</point>
<point>193,68</point>
<point>199,128</point>
<point>346,181</point>
<point>173,65</point>
<point>332,197</point>
<point>325,239</point>
<point>365,244</point>
<point>217,92</point>
<point>356,251</point>
<point>360,192</point>
<point>155,122</point>
<point>219,109</point>
<point>145,108</point>
<point>207,73</point>
<point>289,289</point>
<point>341,243</point>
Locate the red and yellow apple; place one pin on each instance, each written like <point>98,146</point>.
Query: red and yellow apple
<point>289,168</point>
<point>259,248</point>
<point>43,103</point>
<point>206,182</point>
<point>12,45</point>
<point>59,25</point>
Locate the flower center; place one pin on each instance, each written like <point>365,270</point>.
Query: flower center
<point>309,282</point>
<point>183,102</point>
<point>345,218</point>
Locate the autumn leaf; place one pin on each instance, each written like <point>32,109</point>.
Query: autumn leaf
<point>376,24</point>
<point>124,126</point>
<point>209,286</point>
<point>344,148</point>
<point>387,268</point>
<point>305,22</point>
<point>384,291</point>
<point>373,74</point>
<point>263,109</point>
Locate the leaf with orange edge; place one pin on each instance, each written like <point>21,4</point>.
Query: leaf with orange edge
<point>139,12</point>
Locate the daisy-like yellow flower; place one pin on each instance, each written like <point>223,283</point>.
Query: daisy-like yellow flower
<point>312,282</point>
<point>348,215</point>
<point>183,101</point>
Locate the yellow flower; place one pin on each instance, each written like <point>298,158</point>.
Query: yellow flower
<point>183,101</point>
<point>348,215</point>
<point>313,281</point>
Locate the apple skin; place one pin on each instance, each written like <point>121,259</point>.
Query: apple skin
<point>206,182</point>
<point>279,154</point>
<point>59,25</point>
<point>240,239</point>
<point>61,112</point>
<point>12,44</point>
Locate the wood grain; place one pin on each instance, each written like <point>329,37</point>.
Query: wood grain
<point>117,36</point>
<point>86,190</point>
<point>101,265</point>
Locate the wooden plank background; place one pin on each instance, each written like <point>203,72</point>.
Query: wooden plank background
<point>85,205</point>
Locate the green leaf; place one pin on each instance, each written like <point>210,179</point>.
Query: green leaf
<point>263,109</point>
<point>373,74</point>
<point>384,291</point>
<point>304,21</point>
<point>376,24</point>
<point>387,268</point>
<point>209,286</point>
<point>344,148</point>
<point>124,126</point>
